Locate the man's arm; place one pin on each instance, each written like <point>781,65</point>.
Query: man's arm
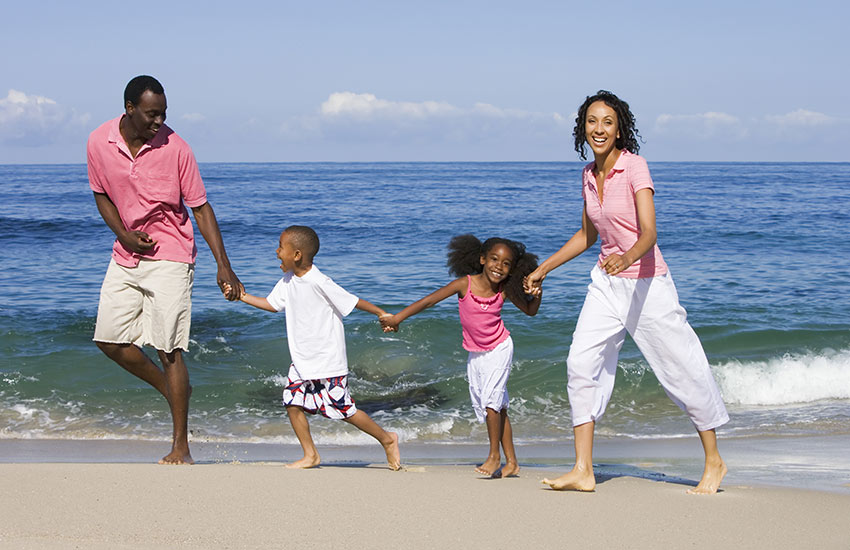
<point>208,226</point>
<point>135,241</point>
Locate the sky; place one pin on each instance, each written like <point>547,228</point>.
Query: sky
<point>282,81</point>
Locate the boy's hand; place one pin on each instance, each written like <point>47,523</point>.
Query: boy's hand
<point>388,322</point>
<point>228,290</point>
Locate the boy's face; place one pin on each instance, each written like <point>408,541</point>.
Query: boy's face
<point>289,255</point>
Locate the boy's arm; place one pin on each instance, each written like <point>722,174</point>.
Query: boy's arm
<point>392,322</point>
<point>529,307</point>
<point>369,307</point>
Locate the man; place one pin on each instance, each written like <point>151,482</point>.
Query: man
<point>143,177</point>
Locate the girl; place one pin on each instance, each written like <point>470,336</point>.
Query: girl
<point>631,291</point>
<point>487,273</point>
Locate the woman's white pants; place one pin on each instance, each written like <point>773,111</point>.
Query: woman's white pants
<point>648,309</point>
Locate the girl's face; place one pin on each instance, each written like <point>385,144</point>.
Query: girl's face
<point>497,263</point>
<point>601,129</point>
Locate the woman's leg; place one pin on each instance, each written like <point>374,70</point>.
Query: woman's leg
<point>581,477</point>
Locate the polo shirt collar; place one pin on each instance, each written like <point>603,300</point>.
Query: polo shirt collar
<point>161,137</point>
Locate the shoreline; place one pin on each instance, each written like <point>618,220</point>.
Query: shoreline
<point>810,462</point>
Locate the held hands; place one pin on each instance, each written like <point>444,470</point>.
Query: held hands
<point>389,322</point>
<point>228,290</point>
<point>229,283</point>
<point>533,282</point>
<point>615,263</point>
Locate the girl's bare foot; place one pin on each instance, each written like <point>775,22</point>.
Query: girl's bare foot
<point>711,478</point>
<point>305,463</point>
<point>575,480</point>
<point>393,453</point>
<point>510,469</point>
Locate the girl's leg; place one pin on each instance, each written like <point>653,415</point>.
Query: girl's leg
<point>715,468</point>
<point>581,477</point>
<point>389,440</point>
<point>511,467</point>
<point>301,427</point>
<point>495,428</point>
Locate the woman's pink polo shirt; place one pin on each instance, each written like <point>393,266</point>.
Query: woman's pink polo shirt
<point>149,191</point>
<point>616,217</point>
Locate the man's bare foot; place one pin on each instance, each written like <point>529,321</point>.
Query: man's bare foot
<point>711,478</point>
<point>575,480</point>
<point>490,467</point>
<point>305,463</point>
<point>393,453</point>
<point>177,457</point>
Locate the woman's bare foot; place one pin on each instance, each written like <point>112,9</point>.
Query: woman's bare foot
<point>510,469</point>
<point>711,478</point>
<point>490,466</point>
<point>575,480</point>
<point>177,456</point>
<point>305,463</point>
<point>393,453</point>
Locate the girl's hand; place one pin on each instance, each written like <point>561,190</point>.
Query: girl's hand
<point>615,263</point>
<point>389,323</point>
<point>533,282</point>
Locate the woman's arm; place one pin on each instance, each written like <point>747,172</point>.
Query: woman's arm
<point>391,322</point>
<point>578,243</point>
<point>615,263</point>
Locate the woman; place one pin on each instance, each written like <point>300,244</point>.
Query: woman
<point>631,291</point>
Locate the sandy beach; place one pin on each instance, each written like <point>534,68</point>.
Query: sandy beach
<point>260,504</point>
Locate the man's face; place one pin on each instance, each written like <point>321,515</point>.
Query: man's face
<point>148,115</point>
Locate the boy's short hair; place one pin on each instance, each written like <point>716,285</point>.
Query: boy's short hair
<point>304,239</point>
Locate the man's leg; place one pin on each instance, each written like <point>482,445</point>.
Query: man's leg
<point>178,391</point>
<point>133,360</point>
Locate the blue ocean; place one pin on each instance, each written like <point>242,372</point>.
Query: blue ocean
<point>758,252</point>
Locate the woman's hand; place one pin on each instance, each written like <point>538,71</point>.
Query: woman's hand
<point>615,263</point>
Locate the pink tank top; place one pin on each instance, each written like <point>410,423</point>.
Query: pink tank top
<point>481,320</point>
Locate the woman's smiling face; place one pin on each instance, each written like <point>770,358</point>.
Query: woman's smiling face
<point>601,128</point>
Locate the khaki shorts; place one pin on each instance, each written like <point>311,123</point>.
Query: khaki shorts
<point>150,304</point>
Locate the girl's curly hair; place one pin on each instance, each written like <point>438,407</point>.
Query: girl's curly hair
<point>629,134</point>
<point>465,253</point>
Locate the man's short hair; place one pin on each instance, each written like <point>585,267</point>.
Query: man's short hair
<point>304,239</point>
<point>139,85</point>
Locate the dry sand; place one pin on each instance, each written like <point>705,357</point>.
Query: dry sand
<point>263,505</point>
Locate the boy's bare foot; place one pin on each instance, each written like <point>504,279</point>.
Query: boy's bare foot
<point>305,463</point>
<point>711,478</point>
<point>177,457</point>
<point>393,453</point>
<point>575,480</point>
<point>490,467</point>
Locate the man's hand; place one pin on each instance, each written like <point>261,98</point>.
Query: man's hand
<point>137,241</point>
<point>229,283</point>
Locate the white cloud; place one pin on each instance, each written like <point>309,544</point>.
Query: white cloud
<point>32,120</point>
<point>193,117</point>
<point>801,117</point>
<point>710,124</point>
<point>364,116</point>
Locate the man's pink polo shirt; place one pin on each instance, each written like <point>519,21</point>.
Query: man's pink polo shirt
<point>149,191</point>
<point>616,217</point>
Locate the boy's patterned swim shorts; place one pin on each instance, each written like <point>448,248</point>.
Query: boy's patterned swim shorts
<point>326,396</point>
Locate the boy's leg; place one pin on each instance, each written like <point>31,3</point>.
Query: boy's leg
<point>581,477</point>
<point>495,428</point>
<point>715,468</point>
<point>511,467</point>
<point>389,440</point>
<point>301,427</point>
<point>177,383</point>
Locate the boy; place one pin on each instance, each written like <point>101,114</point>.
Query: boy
<point>318,376</point>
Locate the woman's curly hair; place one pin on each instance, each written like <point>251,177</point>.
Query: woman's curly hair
<point>465,253</point>
<point>629,134</point>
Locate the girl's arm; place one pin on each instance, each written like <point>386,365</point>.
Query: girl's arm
<point>578,243</point>
<point>529,307</point>
<point>616,263</point>
<point>391,322</point>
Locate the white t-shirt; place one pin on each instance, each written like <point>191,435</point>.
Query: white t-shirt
<point>315,306</point>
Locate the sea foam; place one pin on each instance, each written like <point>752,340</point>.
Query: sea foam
<point>797,378</point>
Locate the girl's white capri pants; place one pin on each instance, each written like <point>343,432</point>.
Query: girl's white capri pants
<point>488,373</point>
<point>649,310</point>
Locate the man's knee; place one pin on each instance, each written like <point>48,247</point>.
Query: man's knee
<point>174,357</point>
<point>111,349</point>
